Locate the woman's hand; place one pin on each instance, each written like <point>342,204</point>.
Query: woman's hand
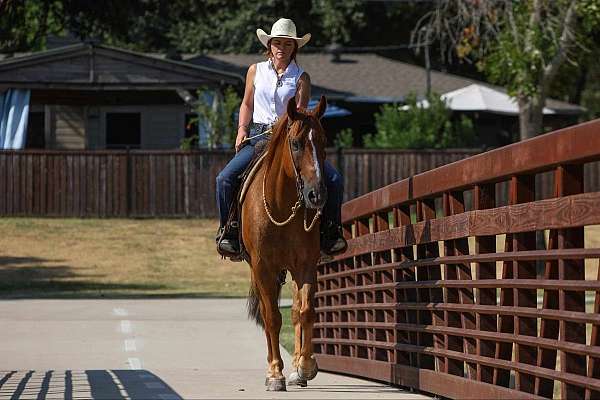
<point>242,133</point>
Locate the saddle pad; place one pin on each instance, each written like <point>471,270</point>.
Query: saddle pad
<point>249,177</point>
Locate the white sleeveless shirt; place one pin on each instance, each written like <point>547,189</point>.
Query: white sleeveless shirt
<point>270,101</point>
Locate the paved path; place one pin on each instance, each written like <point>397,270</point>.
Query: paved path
<point>146,349</point>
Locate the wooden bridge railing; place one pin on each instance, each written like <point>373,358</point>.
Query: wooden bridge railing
<point>444,290</point>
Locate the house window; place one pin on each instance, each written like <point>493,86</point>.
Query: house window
<point>35,131</point>
<point>123,130</point>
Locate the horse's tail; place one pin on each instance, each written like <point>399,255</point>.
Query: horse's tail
<point>254,304</point>
<point>254,301</point>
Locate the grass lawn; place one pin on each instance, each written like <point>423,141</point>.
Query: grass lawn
<point>286,336</point>
<point>115,258</point>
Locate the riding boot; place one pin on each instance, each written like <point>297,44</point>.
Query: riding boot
<point>228,242</point>
<point>332,239</point>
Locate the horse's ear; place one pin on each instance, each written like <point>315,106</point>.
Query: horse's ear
<point>321,107</point>
<point>291,109</point>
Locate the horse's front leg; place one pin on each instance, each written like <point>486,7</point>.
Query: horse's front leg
<point>306,365</point>
<point>294,379</point>
<point>268,337</point>
<point>297,302</point>
<point>267,285</point>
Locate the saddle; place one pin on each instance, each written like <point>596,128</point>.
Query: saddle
<point>234,222</point>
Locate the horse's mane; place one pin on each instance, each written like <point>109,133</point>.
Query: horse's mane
<point>280,130</point>
<point>277,137</point>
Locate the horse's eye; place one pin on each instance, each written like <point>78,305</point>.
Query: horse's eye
<point>295,145</point>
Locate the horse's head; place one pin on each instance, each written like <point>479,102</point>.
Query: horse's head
<point>306,140</point>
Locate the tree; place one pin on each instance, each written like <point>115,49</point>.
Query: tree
<point>192,26</point>
<point>25,24</point>
<point>518,44</point>
<point>215,116</point>
<point>416,127</point>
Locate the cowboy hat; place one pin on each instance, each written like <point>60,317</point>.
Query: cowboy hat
<point>283,28</point>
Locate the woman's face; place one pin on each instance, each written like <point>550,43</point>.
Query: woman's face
<point>282,48</point>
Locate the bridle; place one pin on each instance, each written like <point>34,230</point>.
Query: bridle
<point>299,191</point>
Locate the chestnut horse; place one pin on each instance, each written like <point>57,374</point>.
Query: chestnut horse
<point>280,230</point>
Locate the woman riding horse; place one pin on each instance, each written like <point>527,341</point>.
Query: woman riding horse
<point>279,219</point>
<point>269,86</point>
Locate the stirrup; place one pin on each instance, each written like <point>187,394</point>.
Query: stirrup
<point>225,245</point>
<point>332,240</point>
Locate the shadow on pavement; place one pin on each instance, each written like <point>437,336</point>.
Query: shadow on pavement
<point>88,384</point>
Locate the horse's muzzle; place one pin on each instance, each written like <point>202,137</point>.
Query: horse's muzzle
<point>315,197</point>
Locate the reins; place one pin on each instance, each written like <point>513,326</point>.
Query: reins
<point>268,131</point>
<point>299,203</point>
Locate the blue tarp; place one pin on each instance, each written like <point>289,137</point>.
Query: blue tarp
<point>14,112</point>
<point>332,111</point>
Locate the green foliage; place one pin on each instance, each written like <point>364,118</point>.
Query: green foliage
<point>590,13</point>
<point>189,143</point>
<point>339,19</point>
<point>519,66</point>
<point>24,27</point>
<point>344,139</point>
<point>511,63</point>
<point>419,127</point>
<point>215,112</point>
<point>192,26</point>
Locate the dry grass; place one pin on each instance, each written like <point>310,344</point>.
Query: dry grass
<point>112,258</point>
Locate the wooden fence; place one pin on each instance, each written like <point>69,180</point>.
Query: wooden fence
<point>141,183</point>
<point>456,297</point>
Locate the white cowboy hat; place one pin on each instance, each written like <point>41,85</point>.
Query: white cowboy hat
<point>283,28</point>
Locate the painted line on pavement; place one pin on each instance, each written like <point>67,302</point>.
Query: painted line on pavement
<point>134,363</point>
<point>126,326</point>
<point>130,345</point>
<point>121,312</point>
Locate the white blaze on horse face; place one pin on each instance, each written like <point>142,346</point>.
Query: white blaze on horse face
<point>314,154</point>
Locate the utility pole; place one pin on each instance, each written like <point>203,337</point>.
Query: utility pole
<point>427,65</point>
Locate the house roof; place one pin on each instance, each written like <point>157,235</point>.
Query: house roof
<point>91,66</point>
<point>363,77</point>
<point>353,77</point>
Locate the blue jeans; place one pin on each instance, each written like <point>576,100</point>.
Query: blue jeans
<point>228,181</point>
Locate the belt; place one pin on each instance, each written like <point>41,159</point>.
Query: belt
<point>258,128</point>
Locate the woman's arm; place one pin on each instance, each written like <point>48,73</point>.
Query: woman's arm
<point>303,91</point>
<point>246,108</point>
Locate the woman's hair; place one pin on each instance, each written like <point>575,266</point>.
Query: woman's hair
<point>268,53</point>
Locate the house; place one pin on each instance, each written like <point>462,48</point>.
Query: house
<point>91,96</point>
<point>362,82</point>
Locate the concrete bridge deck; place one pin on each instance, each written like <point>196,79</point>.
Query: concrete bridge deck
<point>147,349</point>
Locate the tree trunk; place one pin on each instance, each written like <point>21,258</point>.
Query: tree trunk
<point>531,116</point>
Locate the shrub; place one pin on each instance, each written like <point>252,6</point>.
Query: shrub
<point>417,127</point>
<point>216,116</point>
<point>344,139</point>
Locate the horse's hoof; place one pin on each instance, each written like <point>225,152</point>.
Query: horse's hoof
<point>276,385</point>
<point>294,379</point>
<point>308,374</point>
